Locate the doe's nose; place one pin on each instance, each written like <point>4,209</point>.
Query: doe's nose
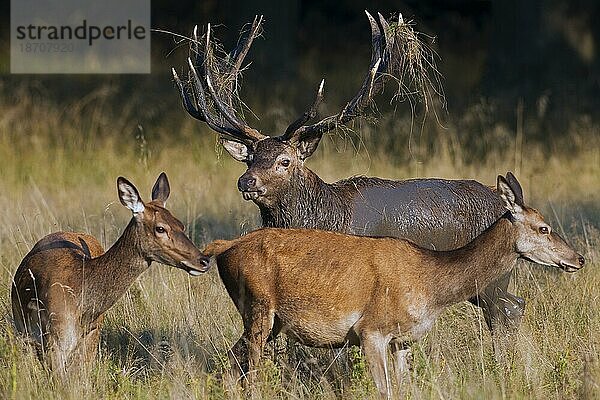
<point>581,260</point>
<point>204,260</point>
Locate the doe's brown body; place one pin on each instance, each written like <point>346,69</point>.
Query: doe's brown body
<point>329,289</point>
<point>66,283</point>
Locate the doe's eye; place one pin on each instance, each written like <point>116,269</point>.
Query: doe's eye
<point>544,230</point>
<point>160,229</point>
<point>285,162</point>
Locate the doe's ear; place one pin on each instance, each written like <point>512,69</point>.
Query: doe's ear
<point>129,196</point>
<point>508,196</point>
<point>516,187</point>
<point>238,150</point>
<point>161,189</point>
<point>307,145</point>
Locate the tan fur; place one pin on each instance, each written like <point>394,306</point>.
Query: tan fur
<point>329,289</point>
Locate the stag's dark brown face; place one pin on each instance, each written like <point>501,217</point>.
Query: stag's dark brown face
<point>272,164</point>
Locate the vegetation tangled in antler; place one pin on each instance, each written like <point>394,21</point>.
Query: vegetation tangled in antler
<point>398,54</point>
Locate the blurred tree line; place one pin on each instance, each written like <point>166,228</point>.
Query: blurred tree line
<point>541,54</point>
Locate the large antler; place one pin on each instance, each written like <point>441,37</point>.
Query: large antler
<point>396,53</point>
<point>212,96</point>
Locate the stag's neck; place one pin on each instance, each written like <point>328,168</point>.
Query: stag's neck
<point>107,277</point>
<point>463,273</point>
<point>310,203</point>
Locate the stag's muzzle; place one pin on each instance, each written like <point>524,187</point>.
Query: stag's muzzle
<point>250,186</point>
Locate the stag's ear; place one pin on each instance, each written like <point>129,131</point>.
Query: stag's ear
<point>307,145</point>
<point>508,196</point>
<point>161,189</point>
<point>238,150</point>
<point>129,196</point>
<point>516,187</point>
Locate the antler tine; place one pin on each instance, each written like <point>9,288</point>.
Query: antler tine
<point>228,114</point>
<point>308,115</point>
<point>241,50</point>
<point>353,108</point>
<point>187,102</point>
<point>212,101</point>
<point>365,94</point>
<point>222,107</point>
<point>195,41</point>
<point>385,27</point>
<point>379,44</point>
<point>375,38</point>
<point>396,53</point>
<point>202,110</point>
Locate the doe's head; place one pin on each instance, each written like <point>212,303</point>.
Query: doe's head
<point>161,235</point>
<point>535,241</point>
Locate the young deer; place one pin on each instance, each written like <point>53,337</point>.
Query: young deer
<point>65,284</point>
<point>330,290</point>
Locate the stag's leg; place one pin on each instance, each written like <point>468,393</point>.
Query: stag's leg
<point>374,346</point>
<point>402,359</point>
<point>502,311</point>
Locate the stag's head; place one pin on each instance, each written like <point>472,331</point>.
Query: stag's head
<point>274,161</point>
<point>272,164</point>
<point>535,239</point>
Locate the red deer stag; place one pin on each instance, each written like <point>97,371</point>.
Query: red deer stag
<point>66,283</point>
<point>434,213</point>
<point>329,289</point>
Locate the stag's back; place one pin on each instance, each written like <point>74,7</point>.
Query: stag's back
<point>434,213</point>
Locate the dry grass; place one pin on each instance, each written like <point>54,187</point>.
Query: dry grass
<point>167,337</point>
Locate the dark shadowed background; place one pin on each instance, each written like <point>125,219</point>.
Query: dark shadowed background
<point>498,56</point>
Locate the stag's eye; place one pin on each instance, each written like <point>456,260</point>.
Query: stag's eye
<point>544,230</point>
<point>160,229</point>
<point>285,163</point>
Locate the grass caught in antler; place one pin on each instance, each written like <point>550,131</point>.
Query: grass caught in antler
<point>211,92</point>
<point>414,65</point>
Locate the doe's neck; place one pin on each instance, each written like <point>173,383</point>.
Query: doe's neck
<point>463,273</point>
<point>109,276</point>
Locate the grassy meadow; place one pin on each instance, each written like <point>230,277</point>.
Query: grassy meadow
<point>167,337</point>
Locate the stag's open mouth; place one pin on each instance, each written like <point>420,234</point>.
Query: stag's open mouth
<point>253,194</point>
<point>194,269</point>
